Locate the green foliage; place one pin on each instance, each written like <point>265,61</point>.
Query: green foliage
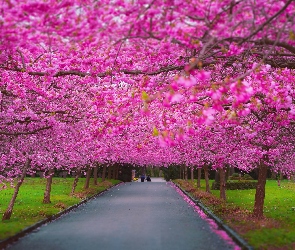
<point>247,177</point>
<point>148,171</point>
<point>156,172</point>
<point>237,176</point>
<point>236,185</point>
<point>152,171</point>
<point>171,173</point>
<point>29,209</point>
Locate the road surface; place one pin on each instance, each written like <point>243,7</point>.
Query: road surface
<point>141,216</point>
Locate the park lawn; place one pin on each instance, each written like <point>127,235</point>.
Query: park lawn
<point>29,209</point>
<point>276,231</point>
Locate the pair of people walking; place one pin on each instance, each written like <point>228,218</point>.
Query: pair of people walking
<point>142,178</point>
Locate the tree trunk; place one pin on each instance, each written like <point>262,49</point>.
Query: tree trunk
<point>46,199</point>
<point>110,172</point>
<point>222,183</point>
<point>104,172</point>
<point>113,171</point>
<point>76,181</point>
<point>95,175</point>
<point>260,191</point>
<point>180,173</point>
<point>199,177</point>
<point>227,172</point>
<point>8,212</point>
<point>207,179</point>
<point>87,180</point>
<point>192,174</point>
<point>116,172</point>
<point>185,172</point>
<point>217,176</point>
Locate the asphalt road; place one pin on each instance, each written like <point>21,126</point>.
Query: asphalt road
<point>149,215</point>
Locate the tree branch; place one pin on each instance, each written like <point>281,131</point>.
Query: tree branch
<point>23,59</point>
<point>279,44</point>
<point>104,74</point>
<point>266,22</point>
<point>25,133</point>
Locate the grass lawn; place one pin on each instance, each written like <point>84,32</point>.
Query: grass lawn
<point>29,209</point>
<point>276,231</point>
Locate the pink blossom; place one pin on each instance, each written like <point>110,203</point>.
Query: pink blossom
<point>176,98</point>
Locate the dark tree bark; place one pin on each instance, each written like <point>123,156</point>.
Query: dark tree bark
<point>281,176</point>
<point>110,168</point>
<point>217,176</point>
<point>180,173</point>
<point>206,171</point>
<point>222,183</point>
<point>260,191</point>
<point>192,174</point>
<point>104,172</point>
<point>95,175</point>
<point>46,199</point>
<point>185,172</point>
<point>88,175</point>
<point>199,177</point>
<point>116,172</point>
<point>8,212</point>
<point>78,174</point>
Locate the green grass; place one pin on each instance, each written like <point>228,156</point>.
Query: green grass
<point>29,209</point>
<point>279,205</point>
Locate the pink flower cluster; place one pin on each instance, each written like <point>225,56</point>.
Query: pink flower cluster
<point>146,83</point>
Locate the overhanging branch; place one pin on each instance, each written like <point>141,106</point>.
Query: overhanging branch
<point>266,22</point>
<point>103,74</point>
<point>284,45</point>
<point>25,133</point>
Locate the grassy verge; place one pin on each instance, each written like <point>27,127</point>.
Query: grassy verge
<point>29,208</point>
<point>275,231</point>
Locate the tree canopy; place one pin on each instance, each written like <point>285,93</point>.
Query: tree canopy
<point>147,82</point>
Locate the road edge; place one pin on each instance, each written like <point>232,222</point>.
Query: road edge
<point>5,243</point>
<point>233,234</point>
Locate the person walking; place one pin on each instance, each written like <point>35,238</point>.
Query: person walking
<point>142,178</point>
